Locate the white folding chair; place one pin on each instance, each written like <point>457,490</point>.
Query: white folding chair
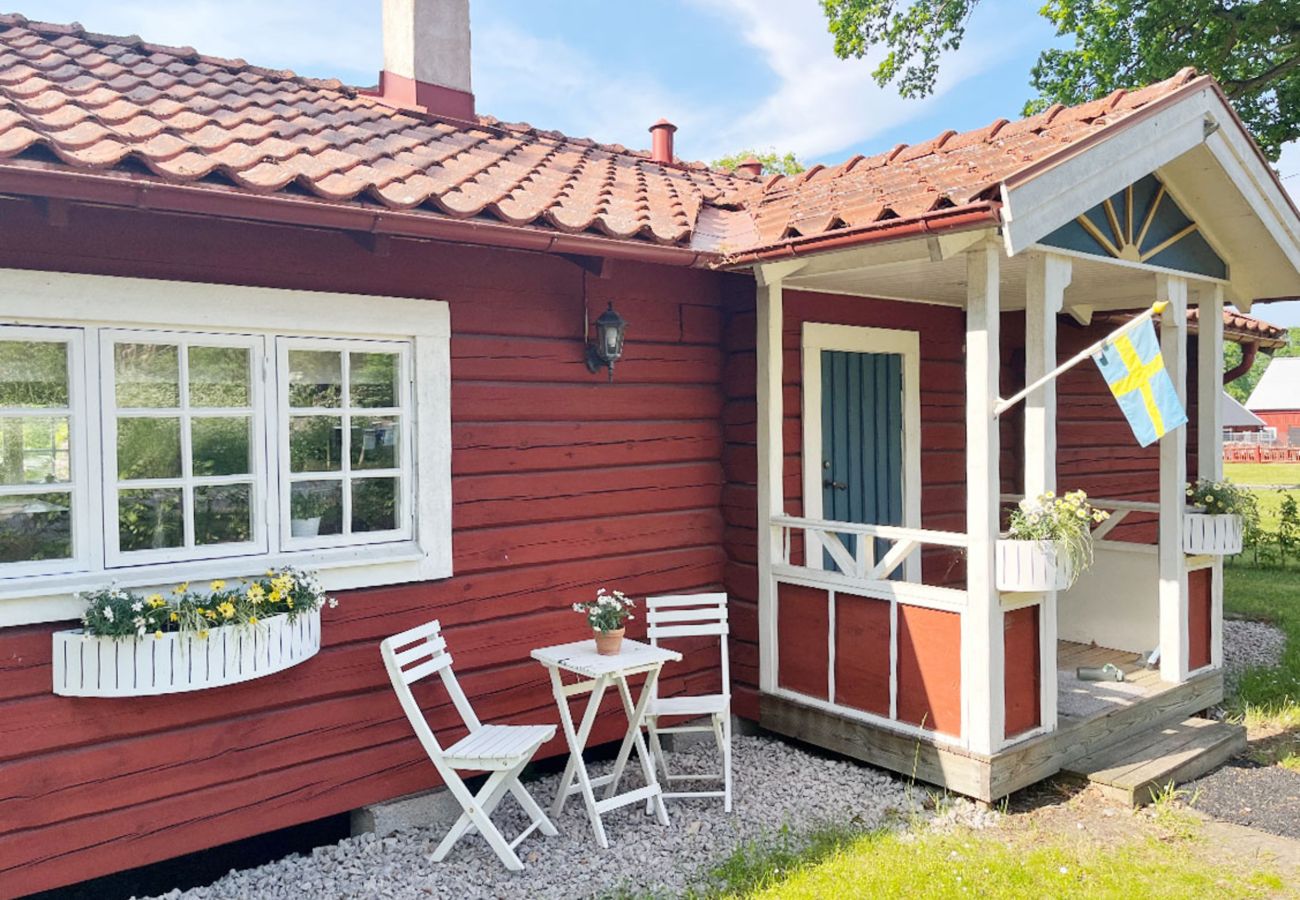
<point>503,750</point>
<point>692,616</point>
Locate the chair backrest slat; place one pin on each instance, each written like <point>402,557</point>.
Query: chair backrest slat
<point>691,615</point>
<point>425,648</point>
<point>428,667</point>
<point>426,655</point>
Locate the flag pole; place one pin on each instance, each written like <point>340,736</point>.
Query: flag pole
<point>1003,405</point>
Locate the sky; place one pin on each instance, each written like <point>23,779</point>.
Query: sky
<point>731,74</point>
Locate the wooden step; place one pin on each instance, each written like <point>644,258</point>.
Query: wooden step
<point>1134,771</point>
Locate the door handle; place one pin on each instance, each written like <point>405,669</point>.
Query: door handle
<point>837,485</point>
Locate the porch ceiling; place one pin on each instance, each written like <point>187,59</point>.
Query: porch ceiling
<point>1097,284</point>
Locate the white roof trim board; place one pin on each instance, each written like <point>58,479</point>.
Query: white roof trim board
<point>1279,388</point>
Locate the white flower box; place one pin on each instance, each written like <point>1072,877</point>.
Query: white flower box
<point>1032,567</point>
<point>86,666</point>
<point>1211,535</point>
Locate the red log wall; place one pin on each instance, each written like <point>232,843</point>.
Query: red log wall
<point>561,483</point>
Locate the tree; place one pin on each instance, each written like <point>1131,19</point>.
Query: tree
<point>1241,388</point>
<point>773,163</point>
<point>1252,47</point>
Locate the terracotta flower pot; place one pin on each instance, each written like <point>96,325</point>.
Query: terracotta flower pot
<point>608,643</point>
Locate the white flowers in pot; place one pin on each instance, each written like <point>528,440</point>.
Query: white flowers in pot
<point>1212,524</point>
<point>1048,544</point>
<point>606,615</point>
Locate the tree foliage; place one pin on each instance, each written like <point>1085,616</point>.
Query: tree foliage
<point>1252,47</point>
<point>774,163</point>
<point>1240,388</point>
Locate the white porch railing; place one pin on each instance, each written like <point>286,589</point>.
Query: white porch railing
<point>859,570</point>
<point>1119,510</point>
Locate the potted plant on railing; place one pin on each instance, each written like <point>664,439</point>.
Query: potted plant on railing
<point>606,616</point>
<point>1048,544</point>
<point>133,644</point>
<point>1212,523</point>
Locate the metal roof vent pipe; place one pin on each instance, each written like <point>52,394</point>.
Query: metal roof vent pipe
<point>427,57</point>
<point>661,137</point>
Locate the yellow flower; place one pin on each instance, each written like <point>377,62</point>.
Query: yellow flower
<point>175,617</point>
<point>289,602</point>
<point>157,635</point>
<point>252,620</point>
<point>227,609</point>
<point>156,600</point>
<point>217,585</point>
<point>203,634</point>
<point>256,593</point>
<point>182,588</point>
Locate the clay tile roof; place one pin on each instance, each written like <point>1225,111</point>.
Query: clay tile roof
<point>95,102</point>
<point>1243,329</point>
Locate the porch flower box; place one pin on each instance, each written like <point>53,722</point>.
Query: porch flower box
<point>1033,567</point>
<point>90,666</point>
<point>131,645</point>
<point>1209,534</point>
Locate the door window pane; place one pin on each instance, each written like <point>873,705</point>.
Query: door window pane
<point>374,442</point>
<point>220,376</point>
<point>35,450</point>
<point>33,374</point>
<point>148,448</point>
<point>35,527</point>
<point>147,375</point>
<point>315,378</point>
<point>220,446</point>
<point>150,519</point>
<point>372,380</point>
<point>223,514</point>
<point>374,504</point>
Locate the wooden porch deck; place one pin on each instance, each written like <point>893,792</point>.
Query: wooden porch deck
<point>1094,716</point>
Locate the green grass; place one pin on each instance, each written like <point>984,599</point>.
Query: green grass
<point>1267,696</point>
<point>841,865</point>
<point>1262,473</point>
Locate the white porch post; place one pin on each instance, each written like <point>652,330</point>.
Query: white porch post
<point>771,457</point>
<point>981,632</point>
<point>1209,430</point>
<point>1047,278</point>
<point>1173,482</point>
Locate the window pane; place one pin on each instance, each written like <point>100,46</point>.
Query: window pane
<point>315,444</point>
<point>220,376</point>
<point>315,378</point>
<point>34,450</point>
<point>35,527</point>
<point>147,375</point>
<point>33,373</point>
<point>223,514</point>
<point>148,448</point>
<point>220,446</point>
<point>150,519</point>
<point>374,504</point>
<point>315,507</point>
<point>374,442</point>
<point>372,379</point>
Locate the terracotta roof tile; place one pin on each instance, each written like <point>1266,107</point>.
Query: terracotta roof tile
<point>101,101</point>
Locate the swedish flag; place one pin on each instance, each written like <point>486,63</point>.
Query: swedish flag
<point>1135,371</point>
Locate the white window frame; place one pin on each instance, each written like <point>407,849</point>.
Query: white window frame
<point>81,302</point>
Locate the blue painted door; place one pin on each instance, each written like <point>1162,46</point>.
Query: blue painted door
<point>862,442</point>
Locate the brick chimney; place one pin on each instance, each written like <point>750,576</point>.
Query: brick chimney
<point>751,167</point>
<point>427,57</point>
<point>661,137</point>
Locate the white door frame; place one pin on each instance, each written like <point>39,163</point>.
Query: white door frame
<point>819,336</point>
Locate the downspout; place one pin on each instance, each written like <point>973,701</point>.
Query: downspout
<point>1248,354</point>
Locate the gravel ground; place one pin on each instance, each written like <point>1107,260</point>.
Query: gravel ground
<point>1249,644</point>
<point>775,784</point>
<point>1247,793</point>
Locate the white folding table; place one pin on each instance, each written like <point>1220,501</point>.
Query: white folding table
<point>598,673</point>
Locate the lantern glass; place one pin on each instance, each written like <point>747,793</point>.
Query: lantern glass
<point>608,346</point>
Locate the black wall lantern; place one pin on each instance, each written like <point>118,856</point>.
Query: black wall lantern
<point>609,342</point>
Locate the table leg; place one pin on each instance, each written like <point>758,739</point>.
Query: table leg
<point>577,741</point>
<point>635,715</point>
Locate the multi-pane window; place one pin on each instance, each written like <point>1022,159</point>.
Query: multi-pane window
<point>39,479</point>
<point>196,446</point>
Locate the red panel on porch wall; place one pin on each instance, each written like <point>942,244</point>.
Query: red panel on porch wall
<point>929,668</point>
<point>1200,605</point>
<point>862,653</point>
<point>802,631</point>
<point>1023,669</point>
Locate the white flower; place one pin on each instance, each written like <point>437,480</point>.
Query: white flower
<point>140,631</point>
<point>108,613</point>
<point>577,607</point>
<point>137,606</point>
<point>334,604</point>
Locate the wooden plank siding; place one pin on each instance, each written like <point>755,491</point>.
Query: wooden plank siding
<point>561,483</point>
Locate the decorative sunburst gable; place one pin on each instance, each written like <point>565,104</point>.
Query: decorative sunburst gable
<point>1141,223</point>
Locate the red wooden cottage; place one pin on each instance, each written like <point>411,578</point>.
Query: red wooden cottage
<point>808,358</point>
